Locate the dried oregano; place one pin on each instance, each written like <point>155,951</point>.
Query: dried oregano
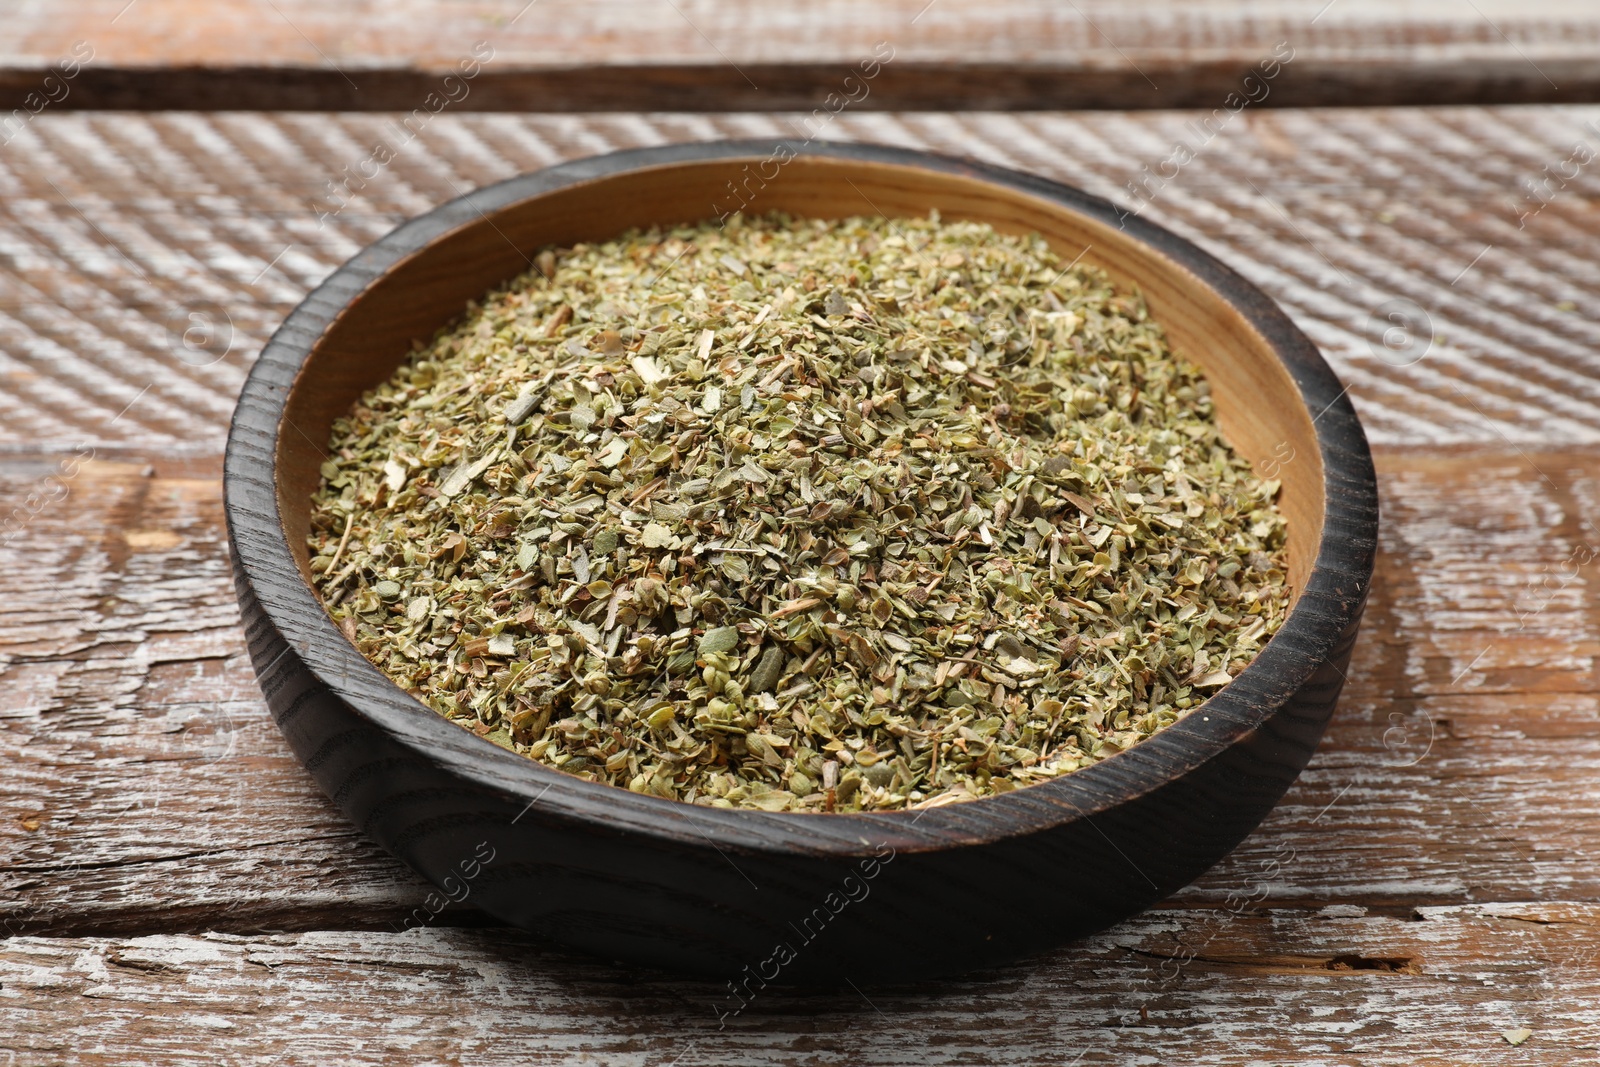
<point>801,516</point>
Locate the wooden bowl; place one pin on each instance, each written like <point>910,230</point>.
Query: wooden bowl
<point>747,896</point>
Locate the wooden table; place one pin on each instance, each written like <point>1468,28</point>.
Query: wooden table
<point>178,891</point>
<point>735,55</point>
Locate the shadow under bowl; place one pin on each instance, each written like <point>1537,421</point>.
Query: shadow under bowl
<point>882,897</point>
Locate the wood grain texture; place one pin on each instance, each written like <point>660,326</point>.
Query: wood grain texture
<point>116,229</point>
<point>145,791</point>
<point>1333,986</point>
<point>712,55</point>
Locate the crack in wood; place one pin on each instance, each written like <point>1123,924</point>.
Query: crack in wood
<point>1290,964</point>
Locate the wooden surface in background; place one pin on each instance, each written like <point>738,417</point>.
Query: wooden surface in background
<point>728,55</point>
<point>181,890</point>
<point>1334,985</point>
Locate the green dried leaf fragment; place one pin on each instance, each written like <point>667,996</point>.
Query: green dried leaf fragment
<point>722,639</point>
<point>463,475</point>
<point>768,670</point>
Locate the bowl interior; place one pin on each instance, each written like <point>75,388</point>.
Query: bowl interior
<point>1261,410</point>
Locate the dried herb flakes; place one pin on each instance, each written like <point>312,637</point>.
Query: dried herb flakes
<point>801,516</point>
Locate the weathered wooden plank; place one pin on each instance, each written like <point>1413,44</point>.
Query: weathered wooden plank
<point>138,249</point>
<point>575,55</point>
<point>146,789</point>
<point>135,736</point>
<point>1440,986</point>
<point>146,792</point>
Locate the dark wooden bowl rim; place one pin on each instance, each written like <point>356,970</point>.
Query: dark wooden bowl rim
<point>1324,609</point>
